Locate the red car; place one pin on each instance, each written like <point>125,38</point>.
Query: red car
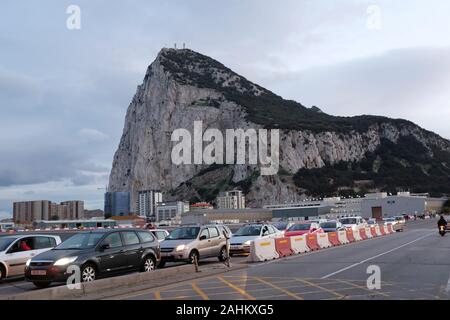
<point>302,228</point>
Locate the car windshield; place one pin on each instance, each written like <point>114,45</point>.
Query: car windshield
<point>371,222</point>
<point>248,231</point>
<point>331,224</point>
<point>280,225</point>
<point>389,219</point>
<point>80,241</point>
<point>184,233</point>
<point>5,242</point>
<point>348,221</point>
<point>301,226</point>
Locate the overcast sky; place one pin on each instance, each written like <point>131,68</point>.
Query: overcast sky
<point>64,93</point>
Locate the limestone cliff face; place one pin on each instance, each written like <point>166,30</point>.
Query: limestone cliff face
<point>181,87</point>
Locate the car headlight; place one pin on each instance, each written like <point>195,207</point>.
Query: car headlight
<point>28,262</point>
<point>247,243</point>
<point>181,247</point>
<point>65,261</point>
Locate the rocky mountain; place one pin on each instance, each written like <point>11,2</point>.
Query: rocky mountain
<point>320,154</point>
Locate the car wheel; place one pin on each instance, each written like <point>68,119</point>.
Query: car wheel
<point>42,285</point>
<point>223,254</point>
<point>148,264</point>
<point>192,256</point>
<point>2,272</point>
<point>88,273</point>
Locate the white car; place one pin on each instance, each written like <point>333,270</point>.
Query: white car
<point>16,250</point>
<point>241,240</point>
<point>353,222</point>
<point>160,234</point>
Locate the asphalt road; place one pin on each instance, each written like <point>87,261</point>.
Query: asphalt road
<point>414,264</point>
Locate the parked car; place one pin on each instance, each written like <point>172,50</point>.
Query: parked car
<point>187,243</point>
<point>160,234</point>
<point>241,240</point>
<point>331,226</point>
<point>16,250</point>
<point>303,228</point>
<point>353,222</point>
<point>97,253</point>
<point>282,225</point>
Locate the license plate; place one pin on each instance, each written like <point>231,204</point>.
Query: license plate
<point>38,272</point>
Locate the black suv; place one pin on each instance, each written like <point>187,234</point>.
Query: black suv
<point>97,253</point>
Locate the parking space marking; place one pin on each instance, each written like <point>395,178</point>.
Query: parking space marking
<point>320,287</point>
<point>287,292</point>
<point>362,287</point>
<point>199,291</point>
<point>374,257</point>
<point>241,291</point>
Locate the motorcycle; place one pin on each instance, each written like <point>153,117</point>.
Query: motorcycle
<point>442,230</point>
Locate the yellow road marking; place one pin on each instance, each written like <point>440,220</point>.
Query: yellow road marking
<point>319,287</point>
<point>158,295</point>
<point>199,291</point>
<point>239,290</point>
<point>287,292</point>
<point>362,287</point>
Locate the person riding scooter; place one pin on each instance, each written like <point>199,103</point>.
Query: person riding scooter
<point>442,225</point>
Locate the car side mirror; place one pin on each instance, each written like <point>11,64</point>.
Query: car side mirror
<point>203,237</point>
<point>105,246</point>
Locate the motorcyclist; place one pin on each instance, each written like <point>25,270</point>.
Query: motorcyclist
<point>442,222</point>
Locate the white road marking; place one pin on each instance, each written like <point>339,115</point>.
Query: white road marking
<point>374,257</point>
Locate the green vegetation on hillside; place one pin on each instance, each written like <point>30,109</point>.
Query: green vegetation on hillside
<point>406,165</point>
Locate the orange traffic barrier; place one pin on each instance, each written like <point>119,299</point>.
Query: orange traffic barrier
<point>382,230</point>
<point>350,236</point>
<point>333,238</point>
<point>362,233</point>
<point>283,247</point>
<point>373,231</point>
<point>311,241</point>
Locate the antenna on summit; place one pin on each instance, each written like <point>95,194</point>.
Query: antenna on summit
<point>184,45</point>
<point>175,45</point>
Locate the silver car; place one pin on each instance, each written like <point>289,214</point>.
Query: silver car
<point>16,250</point>
<point>188,243</point>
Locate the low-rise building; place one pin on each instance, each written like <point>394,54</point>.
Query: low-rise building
<point>171,210</point>
<point>71,224</point>
<point>231,200</point>
<point>227,216</point>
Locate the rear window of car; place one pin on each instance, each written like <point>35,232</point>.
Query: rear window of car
<point>44,242</point>
<point>130,238</point>
<point>146,236</point>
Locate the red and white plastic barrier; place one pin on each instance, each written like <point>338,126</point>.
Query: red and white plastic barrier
<point>298,244</point>
<point>283,247</point>
<point>263,250</point>
<point>311,241</point>
<point>322,240</point>
<point>334,239</point>
<point>362,233</point>
<point>369,233</point>
<point>356,235</point>
<point>342,236</point>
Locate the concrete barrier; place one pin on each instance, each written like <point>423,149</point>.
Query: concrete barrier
<point>104,285</point>
<point>322,240</point>
<point>298,244</point>
<point>263,250</point>
<point>342,236</point>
